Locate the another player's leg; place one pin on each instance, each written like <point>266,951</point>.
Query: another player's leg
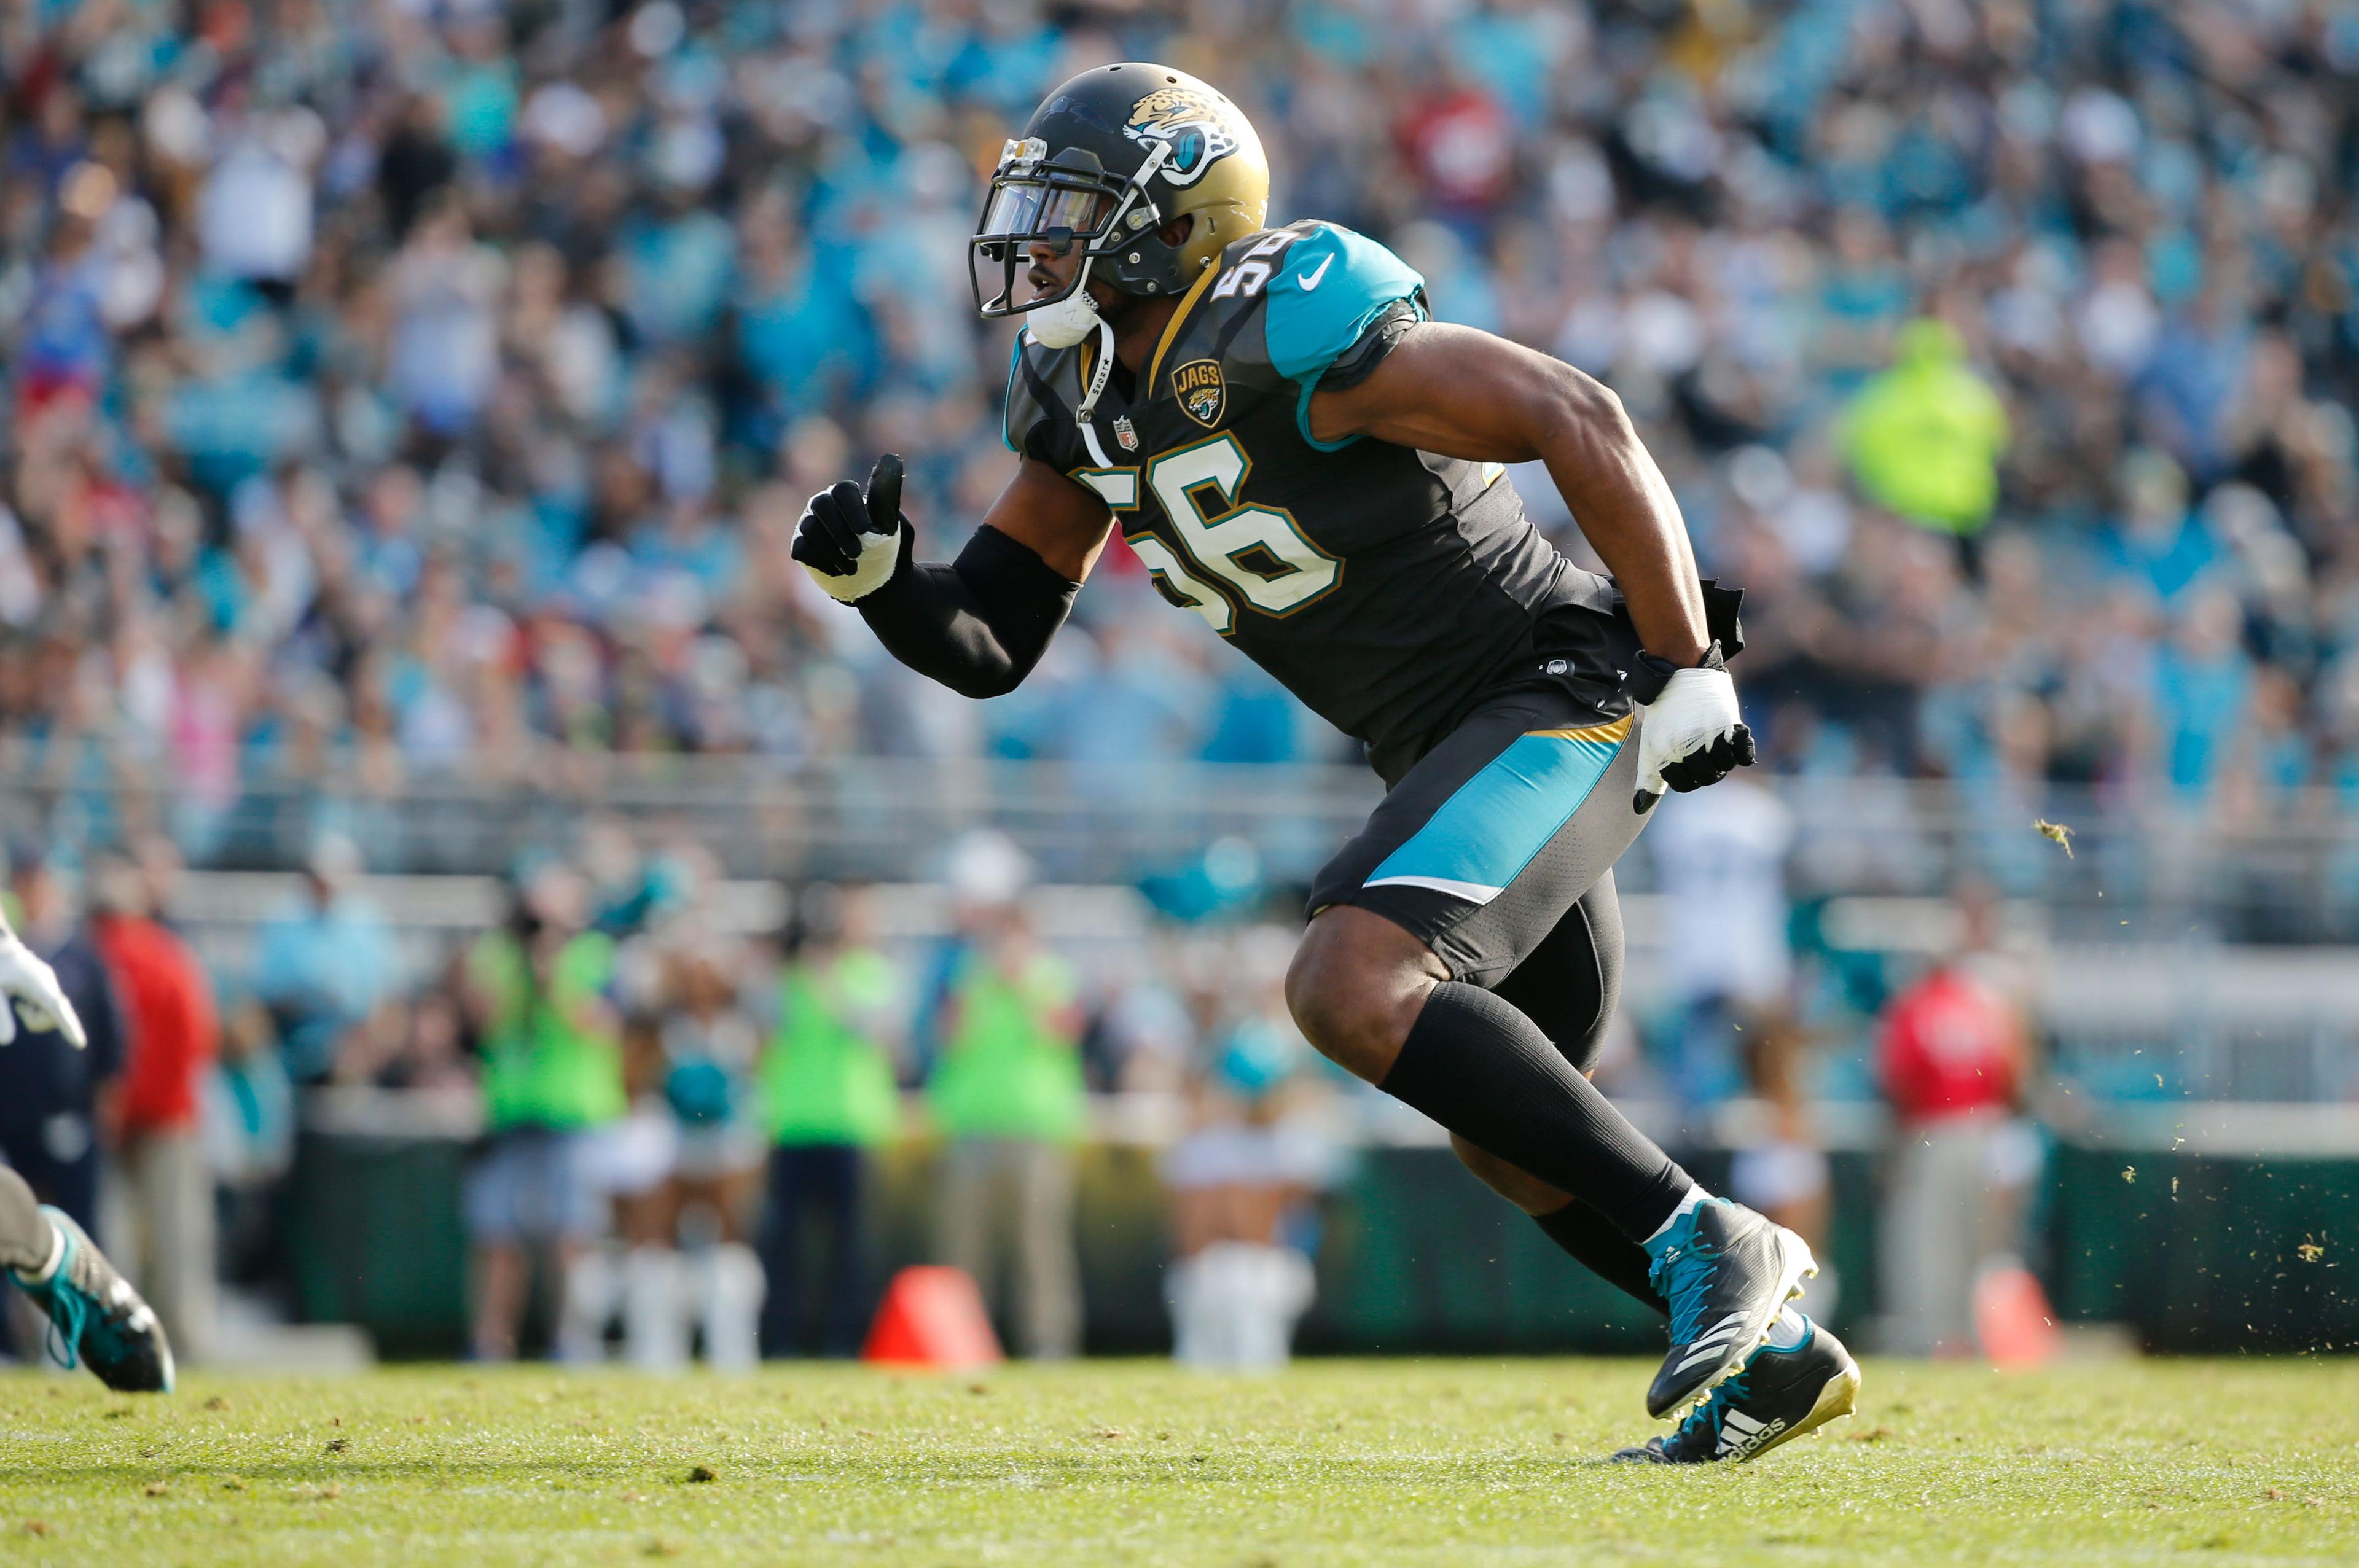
<point>1469,862</point>
<point>97,1319</point>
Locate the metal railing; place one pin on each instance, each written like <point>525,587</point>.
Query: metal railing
<point>869,817</point>
<point>2184,953</point>
<point>2289,874</point>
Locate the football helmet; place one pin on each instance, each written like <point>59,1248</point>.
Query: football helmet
<point>1105,161</point>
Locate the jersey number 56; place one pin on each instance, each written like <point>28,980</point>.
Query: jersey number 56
<point>1254,268</point>
<point>1258,551</point>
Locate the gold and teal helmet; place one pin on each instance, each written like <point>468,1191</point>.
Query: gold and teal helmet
<point>1105,162</point>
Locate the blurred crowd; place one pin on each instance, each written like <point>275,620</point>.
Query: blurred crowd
<point>402,390</point>
<point>680,1103</point>
<point>677,1117</point>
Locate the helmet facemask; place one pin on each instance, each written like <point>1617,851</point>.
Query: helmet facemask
<point>1060,202</point>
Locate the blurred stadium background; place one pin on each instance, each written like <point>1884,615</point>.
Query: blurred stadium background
<point>410,404</point>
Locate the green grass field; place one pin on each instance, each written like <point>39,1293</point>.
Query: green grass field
<point>1424,1462</point>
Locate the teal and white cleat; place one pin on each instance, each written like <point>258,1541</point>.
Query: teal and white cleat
<point>97,1320</point>
<point>1727,1273</point>
<point>1781,1392</point>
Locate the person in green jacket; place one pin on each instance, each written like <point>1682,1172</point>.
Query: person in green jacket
<point>1008,1095</point>
<point>829,1099</point>
<point>1924,438</point>
<point>552,1073</point>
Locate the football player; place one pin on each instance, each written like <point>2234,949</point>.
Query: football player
<point>96,1318</point>
<point>1302,458</point>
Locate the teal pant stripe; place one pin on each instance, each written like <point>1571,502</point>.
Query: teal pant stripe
<point>1487,832</point>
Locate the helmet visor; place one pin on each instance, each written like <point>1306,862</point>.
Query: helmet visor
<point>1026,210</point>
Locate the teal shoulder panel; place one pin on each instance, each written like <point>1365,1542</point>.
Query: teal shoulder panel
<point>1331,286</point>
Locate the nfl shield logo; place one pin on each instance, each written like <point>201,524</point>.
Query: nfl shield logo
<point>1126,433</point>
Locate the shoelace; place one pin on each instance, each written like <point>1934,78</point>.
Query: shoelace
<point>68,1315</point>
<point>1707,1415</point>
<point>1687,1298</point>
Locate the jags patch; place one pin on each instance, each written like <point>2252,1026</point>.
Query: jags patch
<point>1194,124</point>
<point>1201,390</point>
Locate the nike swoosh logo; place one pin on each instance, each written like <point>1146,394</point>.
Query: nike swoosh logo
<point>1310,279</point>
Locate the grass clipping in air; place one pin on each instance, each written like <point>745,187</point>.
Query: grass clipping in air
<point>1418,1462</point>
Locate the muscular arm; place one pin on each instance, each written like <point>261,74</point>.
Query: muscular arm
<point>980,623</point>
<point>1053,517</point>
<point>1465,393</point>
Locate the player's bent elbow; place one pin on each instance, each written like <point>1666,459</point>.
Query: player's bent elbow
<point>981,685</point>
<point>1589,403</point>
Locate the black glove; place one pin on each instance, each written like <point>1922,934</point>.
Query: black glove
<point>1689,732</point>
<point>851,544</point>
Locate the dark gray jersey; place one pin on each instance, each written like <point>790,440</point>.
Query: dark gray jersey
<point>1388,588</point>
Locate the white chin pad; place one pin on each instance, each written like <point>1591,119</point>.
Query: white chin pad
<point>1065,323</point>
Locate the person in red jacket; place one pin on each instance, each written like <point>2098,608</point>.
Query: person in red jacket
<point>1953,1060</point>
<point>152,1119</point>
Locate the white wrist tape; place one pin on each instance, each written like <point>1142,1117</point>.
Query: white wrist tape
<point>879,553</point>
<point>1696,707</point>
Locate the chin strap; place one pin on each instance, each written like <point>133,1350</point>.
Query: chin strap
<point>1156,156</point>
<point>1069,319</point>
<point>1097,377</point>
<point>1068,322</point>
<point>1072,317</point>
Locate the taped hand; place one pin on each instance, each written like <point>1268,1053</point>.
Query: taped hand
<point>1690,735</point>
<point>852,544</point>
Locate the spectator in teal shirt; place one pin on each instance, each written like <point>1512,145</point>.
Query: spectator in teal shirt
<point>2203,684</point>
<point>325,963</point>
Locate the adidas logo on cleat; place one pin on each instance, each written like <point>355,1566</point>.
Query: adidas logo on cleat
<point>1740,1434</point>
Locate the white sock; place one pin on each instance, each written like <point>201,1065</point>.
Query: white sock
<point>592,1286</point>
<point>655,1329</point>
<point>1696,1195</point>
<point>731,1287</point>
<point>1787,1331</point>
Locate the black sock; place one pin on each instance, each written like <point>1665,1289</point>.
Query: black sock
<point>1604,1251</point>
<point>1474,1064</point>
<point>27,1237</point>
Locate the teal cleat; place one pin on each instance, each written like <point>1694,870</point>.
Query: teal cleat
<point>1727,1273</point>
<point>97,1320</point>
<point>1781,1392</point>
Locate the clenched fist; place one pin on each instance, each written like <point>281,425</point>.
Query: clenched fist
<point>1690,735</point>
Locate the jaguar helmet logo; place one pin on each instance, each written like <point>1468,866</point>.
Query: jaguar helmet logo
<point>1192,123</point>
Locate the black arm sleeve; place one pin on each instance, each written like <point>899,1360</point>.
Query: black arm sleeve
<point>977,625</point>
<point>1359,361</point>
